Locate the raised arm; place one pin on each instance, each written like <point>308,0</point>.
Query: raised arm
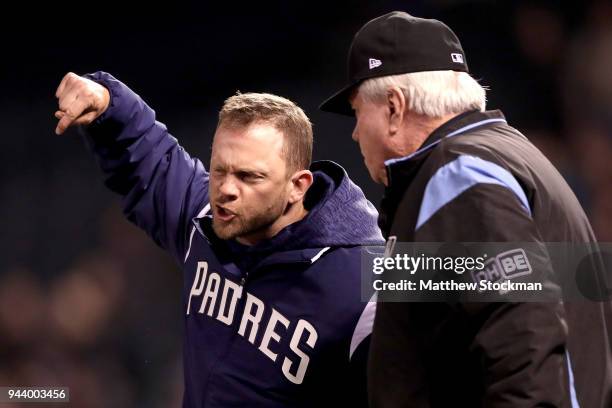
<point>162,187</point>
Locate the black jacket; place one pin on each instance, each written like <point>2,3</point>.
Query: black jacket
<point>476,179</point>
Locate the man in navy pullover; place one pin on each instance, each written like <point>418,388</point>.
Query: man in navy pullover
<point>270,245</point>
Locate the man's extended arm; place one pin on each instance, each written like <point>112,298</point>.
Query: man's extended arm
<point>162,187</point>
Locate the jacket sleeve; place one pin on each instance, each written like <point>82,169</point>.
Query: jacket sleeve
<point>162,187</point>
<point>520,346</point>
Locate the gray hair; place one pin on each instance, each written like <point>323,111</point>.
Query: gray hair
<point>430,93</point>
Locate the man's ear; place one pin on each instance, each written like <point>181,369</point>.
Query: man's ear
<point>396,103</point>
<point>300,183</point>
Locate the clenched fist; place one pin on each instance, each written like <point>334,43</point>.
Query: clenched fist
<point>80,101</point>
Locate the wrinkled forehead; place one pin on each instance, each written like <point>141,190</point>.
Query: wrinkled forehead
<point>355,97</point>
<point>257,142</point>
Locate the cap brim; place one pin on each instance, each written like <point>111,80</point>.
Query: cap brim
<point>339,102</point>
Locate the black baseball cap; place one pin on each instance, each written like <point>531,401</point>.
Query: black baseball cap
<point>397,43</point>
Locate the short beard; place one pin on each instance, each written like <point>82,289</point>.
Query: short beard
<point>240,227</point>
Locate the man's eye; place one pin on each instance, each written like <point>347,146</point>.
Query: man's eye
<point>249,177</point>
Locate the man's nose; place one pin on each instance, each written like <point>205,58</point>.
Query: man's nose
<point>355,136</point>
<point>228,189</point>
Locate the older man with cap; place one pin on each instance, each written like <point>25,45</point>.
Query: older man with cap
<point>457,173</point>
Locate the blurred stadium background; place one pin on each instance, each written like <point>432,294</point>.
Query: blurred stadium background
<point>86,300</point>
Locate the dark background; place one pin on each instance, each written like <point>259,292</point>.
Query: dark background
<point>86,300</point>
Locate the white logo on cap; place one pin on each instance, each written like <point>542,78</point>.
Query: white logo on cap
<point>374,63</point>
<point>457,58</point>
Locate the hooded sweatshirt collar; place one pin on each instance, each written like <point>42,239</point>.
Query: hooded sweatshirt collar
<point>339,215</point>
